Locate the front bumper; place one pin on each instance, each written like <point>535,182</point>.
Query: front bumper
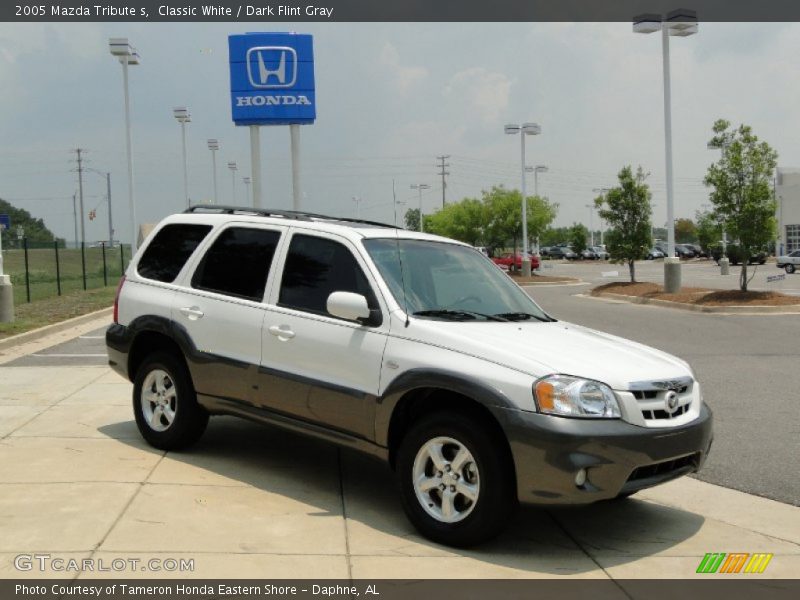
<point>618,457</point>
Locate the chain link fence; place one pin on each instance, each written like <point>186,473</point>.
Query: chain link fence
<point>43,270</point>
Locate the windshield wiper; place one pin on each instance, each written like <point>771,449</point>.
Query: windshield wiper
<point>458,314</point>
<point>523,316</point>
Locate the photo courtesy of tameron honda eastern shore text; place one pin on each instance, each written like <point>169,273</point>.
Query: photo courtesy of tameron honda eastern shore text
<point>411,347</point>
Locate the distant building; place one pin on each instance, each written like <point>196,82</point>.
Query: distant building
<point>787,194</point>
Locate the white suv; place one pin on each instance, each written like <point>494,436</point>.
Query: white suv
<point>411,347</point>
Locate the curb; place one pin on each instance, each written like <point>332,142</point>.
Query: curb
<point>35,334</point>
<point>788,308</point>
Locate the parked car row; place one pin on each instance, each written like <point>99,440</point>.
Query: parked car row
<point>735,255</point>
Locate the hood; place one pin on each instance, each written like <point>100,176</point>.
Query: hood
<point>544,348</point>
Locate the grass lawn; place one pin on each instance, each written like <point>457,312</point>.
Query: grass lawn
<point>54,309</point>
<point>42,270</point>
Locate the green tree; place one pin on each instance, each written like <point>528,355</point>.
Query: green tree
<point>461,221</point>
<point>742,193</point>
<point>626,209</point>
<point>554,235</point>
<point>412,219</point>
<point>35,230</point>
<point>709,231</point>
<point>578,237</point>
<point>502,216</point>
<point>685,231</point>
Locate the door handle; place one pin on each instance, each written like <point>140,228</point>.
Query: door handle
<point>192,312</point>
<point>282,332</point>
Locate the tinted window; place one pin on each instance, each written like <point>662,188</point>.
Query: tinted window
<point>315,268</point>
<point>170,249</point>
<point>237,263</point>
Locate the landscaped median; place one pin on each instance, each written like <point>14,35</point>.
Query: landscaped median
<point>541,279</point>
<point>700,299</point>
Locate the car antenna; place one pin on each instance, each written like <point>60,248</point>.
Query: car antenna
<point>399,256</point>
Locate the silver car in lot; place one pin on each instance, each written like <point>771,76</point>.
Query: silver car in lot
<point>790,262</point>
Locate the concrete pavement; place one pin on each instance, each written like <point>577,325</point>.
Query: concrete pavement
<point>77,481</point>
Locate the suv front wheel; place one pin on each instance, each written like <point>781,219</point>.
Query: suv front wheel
<point>165,403</point>
<point>455,484</point>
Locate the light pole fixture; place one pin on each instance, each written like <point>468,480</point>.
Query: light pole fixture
<point>419,187</point>
<point>523,130</point>
<point>127,55</point>
<point>602,192</point>
<point>724,147</point>
<point>233,168</point>
<point>181,113</point>
<point>679,23</point>
<point>213,145</point>
<point>591,223</point>
<point>246,181</point>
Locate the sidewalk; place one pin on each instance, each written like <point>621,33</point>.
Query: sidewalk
<point>77,481</point>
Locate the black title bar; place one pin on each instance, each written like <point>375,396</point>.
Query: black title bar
<point>265,11</point>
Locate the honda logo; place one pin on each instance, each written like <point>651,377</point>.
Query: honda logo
<point>272,66</point>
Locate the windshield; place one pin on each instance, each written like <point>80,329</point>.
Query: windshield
<point>449,281</point>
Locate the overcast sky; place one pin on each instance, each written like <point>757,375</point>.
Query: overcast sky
<point>391,97</point>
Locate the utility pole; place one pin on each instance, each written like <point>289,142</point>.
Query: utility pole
<point>78,152</point>
<point>357,200</point>
<point>110,220</point>
<point>419,187</point>
<point>75,216</point>
<point>443,173</point>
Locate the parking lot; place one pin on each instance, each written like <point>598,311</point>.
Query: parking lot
<point>76,480</point>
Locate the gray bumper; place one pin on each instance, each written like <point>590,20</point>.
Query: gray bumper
<point>619,457</point>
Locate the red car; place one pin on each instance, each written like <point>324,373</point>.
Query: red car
<point>513,262</point>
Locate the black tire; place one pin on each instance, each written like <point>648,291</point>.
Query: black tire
<point>496,499</point>
<point>789,269</point>
<point>189,418</point>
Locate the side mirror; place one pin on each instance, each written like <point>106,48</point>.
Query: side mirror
<point>347,305</point>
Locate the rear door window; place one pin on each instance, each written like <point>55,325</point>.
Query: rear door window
<point>238,262</point>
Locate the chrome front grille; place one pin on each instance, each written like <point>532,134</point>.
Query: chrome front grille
<point>653,398</point>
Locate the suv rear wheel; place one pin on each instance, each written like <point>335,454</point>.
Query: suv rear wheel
<point>456,487</point>
<point>789,268</point>
<point>165,403</point>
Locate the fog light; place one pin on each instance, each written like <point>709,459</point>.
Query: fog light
<point>580,477</point>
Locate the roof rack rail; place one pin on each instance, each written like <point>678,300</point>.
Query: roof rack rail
<point>272,212</point>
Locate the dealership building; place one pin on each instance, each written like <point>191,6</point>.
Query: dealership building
<point>787,194</point>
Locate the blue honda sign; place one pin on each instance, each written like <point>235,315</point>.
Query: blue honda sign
<point>5,222</point>
<point>272,78</point>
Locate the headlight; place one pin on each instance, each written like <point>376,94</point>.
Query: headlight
<point>575,397</point>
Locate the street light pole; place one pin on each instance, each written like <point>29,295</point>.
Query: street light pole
<point>523,130</point>
<point>213,145</point>
<point>419,187</point>
<point>602,192</point>
<point>591,222</point>
<point>681,23</point>
<point>181,113</point>
<point>246,181</point>
<point>127,55</point>
<point>233,168</point>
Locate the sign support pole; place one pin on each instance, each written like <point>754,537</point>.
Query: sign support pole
<point>294,132</point>
<point>255,163</point>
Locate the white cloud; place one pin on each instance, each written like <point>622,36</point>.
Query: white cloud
<point>403,77</point>
<point>485,92</point>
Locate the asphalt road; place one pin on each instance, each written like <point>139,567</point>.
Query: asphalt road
<point>748,366</point>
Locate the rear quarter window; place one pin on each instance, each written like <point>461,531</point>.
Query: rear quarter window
<point>169,250</point>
